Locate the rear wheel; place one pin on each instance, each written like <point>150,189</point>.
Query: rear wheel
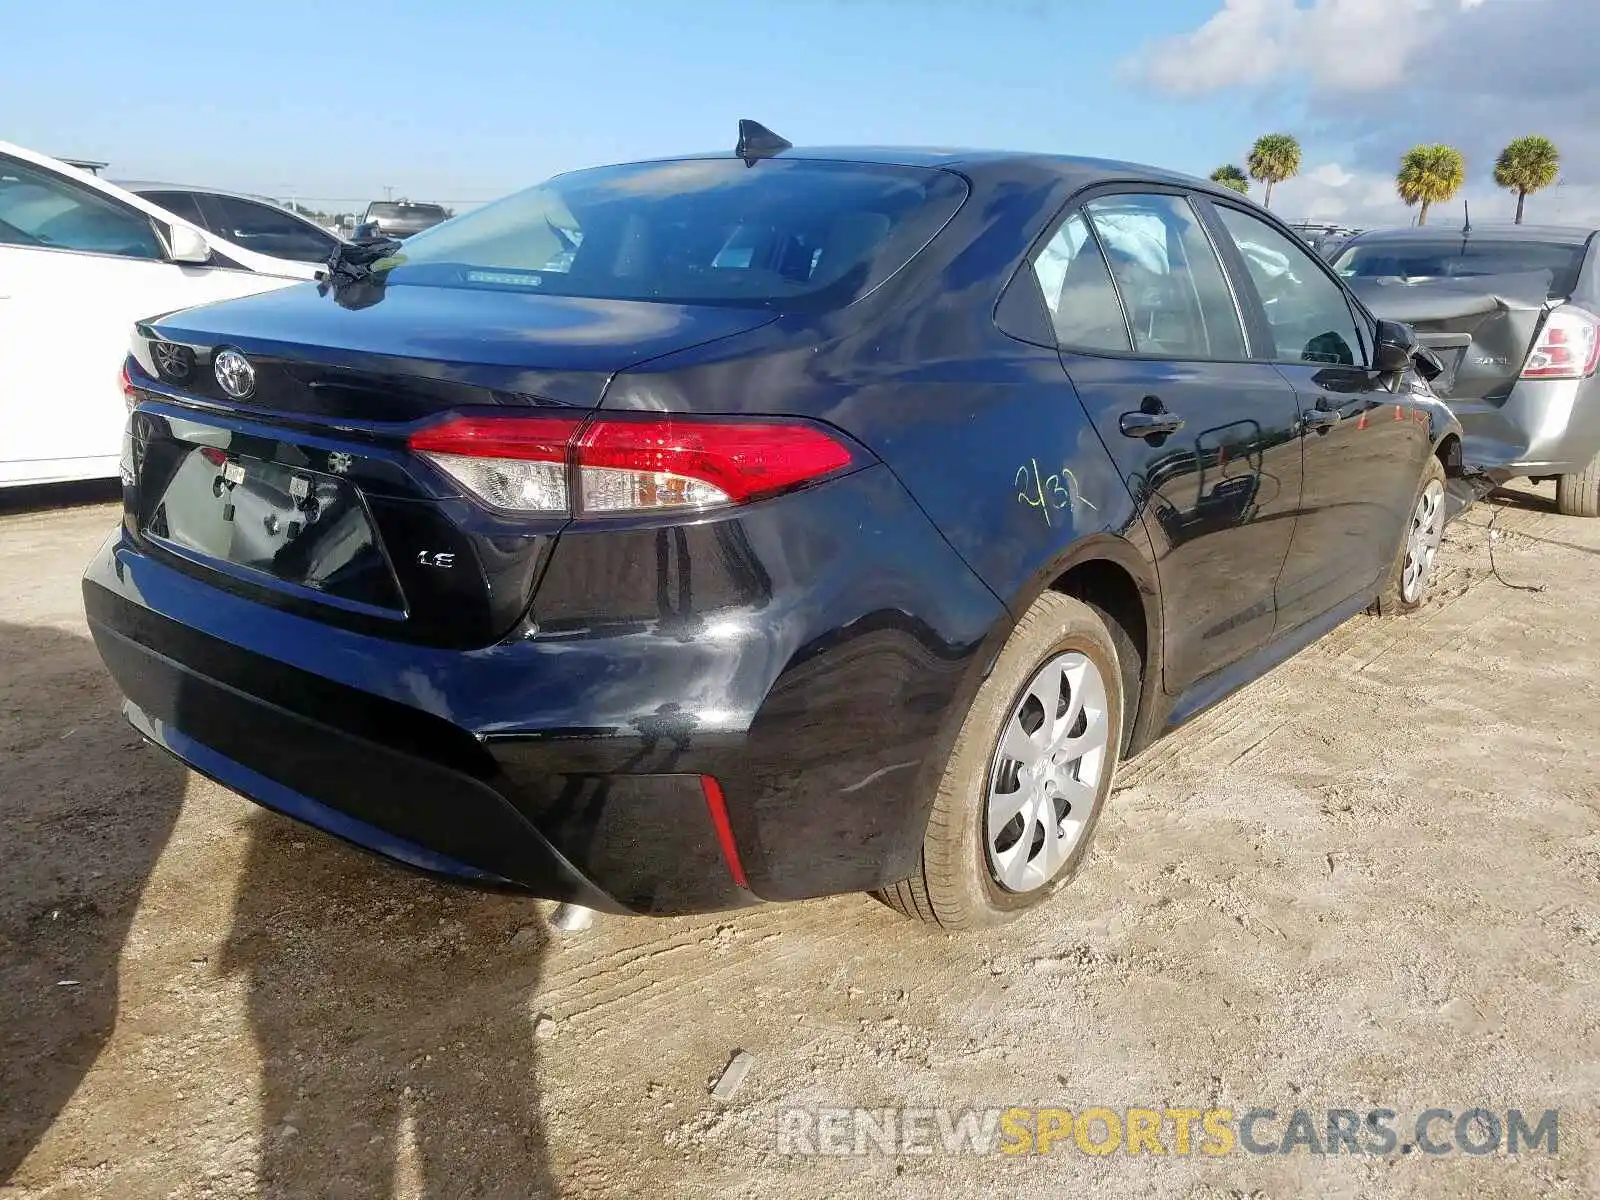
<point>1410,579</point>
<point>1028,775</point>
<point>1578,495</point>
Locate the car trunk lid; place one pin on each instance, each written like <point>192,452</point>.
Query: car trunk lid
<point>1481,328</point>
<point>401,352</point>
<point>303,491</point>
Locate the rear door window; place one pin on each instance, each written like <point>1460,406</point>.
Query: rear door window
<point>1173,289</point>
<point>268,230</point>
<point>1078,291</point>
<point>180,204</point>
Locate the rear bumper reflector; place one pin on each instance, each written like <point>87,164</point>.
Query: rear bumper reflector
<point>719,819</point>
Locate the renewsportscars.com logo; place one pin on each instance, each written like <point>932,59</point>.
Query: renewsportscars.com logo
<point>1178,1132</point>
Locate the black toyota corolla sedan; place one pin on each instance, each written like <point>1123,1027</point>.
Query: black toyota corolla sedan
<point>681,535</point>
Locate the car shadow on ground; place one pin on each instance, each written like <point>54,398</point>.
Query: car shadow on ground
<point>38,496</point>
<point>1512,496</point>
<point>1526,501</point>
<point>85,810</point>
<point>394,1019</point>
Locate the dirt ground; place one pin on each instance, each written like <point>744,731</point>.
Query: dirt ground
<point>1372,879</point>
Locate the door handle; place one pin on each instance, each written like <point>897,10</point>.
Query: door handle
<point>1322,419</point>
<point>1149,424</point>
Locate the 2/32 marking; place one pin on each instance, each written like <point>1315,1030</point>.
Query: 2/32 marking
<point>1058,491</point>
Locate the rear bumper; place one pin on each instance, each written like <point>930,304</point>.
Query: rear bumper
<point>271,794</point>
<point>568,761</point>
<point>1544,427</point>
<point>410,806</point>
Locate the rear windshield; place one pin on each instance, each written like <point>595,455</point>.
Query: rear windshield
<point>386,211</point>
<point>782,234</point>
<point>1464,260</point>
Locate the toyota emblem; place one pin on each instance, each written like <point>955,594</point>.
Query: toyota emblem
<point>235,374</point>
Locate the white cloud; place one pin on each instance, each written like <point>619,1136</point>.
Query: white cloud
<point>1329,192</point>
<point>1242,44</point>
<point>1337,45</point>
<point>1361,81</point>
<point>1493,73</point>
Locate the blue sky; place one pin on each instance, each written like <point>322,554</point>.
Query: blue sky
<point>466,101</point>
<point>463,102</point>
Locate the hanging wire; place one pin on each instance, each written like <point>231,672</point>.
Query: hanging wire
<point>1504,582</point>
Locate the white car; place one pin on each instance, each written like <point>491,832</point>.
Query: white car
<point>80,261</point>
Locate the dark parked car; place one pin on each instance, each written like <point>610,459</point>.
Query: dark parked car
<point>1513,312</point>
<point>1325,239</point>
<point>250,221</point>
<point>402,218</point>
<point>681,535</point>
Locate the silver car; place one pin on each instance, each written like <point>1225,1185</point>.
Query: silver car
<point>402,218</point>
<point>1513,312</point>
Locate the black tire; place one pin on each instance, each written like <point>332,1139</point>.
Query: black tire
<point>1392,599</point>
<point>1578,495</point>
<point>954,886</point>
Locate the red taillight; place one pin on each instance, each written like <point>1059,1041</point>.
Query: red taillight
<point>530,439</point>
<point>514,463</point>
<point>1568,347</point>
<point>628,464</point>
<point>130,394</point>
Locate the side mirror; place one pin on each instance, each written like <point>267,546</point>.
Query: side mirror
<point>1396,347</point>
<point>188,245</point>
<point>1427,364</point>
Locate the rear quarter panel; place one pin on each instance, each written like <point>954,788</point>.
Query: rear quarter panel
<point>984,431</point>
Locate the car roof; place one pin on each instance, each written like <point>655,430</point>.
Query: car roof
<point>142,187</point>
<point>991,165</point>
<point>1432,235</point>
<point>149,185</point>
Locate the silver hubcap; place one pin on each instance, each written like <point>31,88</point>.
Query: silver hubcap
<point>1046,772</point>
<point>1427,530</point>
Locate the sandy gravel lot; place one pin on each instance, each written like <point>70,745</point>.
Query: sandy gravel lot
<point>1372,879</point>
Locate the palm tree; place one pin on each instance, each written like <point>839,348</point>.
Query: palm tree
<point>1230,176</point>
<point>1526,165</point>
<point>1430,175</point>
<point>1274,158</point>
